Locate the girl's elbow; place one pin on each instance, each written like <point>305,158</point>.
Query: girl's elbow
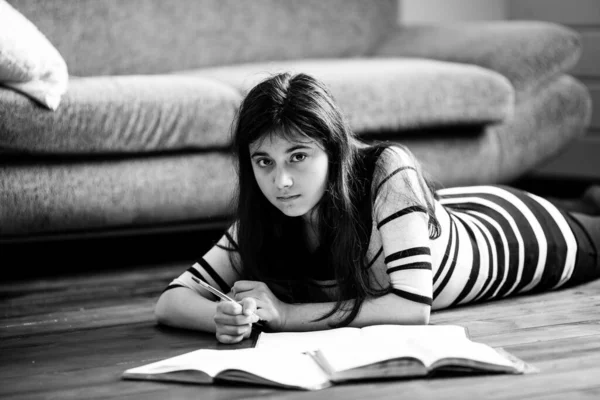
<point>160,312</point>
<point>412,313</point>
<point>409,312</point>
<point>160,317</point>
<point>421,314</point>
<point>424,315</point>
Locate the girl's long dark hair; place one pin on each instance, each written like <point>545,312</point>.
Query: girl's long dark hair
<point>289,105</point>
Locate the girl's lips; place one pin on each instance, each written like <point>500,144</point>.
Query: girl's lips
<point>288,198</point>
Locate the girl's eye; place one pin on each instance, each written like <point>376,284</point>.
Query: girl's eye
<point>263,162</point>
<point>299,157</point>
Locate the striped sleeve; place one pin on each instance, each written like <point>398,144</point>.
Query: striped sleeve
<point>401,216</point>
<point>217,268</point>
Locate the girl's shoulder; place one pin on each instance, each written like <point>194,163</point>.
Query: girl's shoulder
<point>389,158</point>
<point>397,172</point>
<point>397,154</point>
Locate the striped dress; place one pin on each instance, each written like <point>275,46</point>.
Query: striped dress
<point>495,242</point>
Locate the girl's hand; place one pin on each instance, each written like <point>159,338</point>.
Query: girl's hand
<point>234,320</point>
<point>269,307</point>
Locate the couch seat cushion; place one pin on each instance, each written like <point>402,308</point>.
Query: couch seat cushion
<point>62,196</point>
<point>195,109</point>
<point>123,114</point>
<point>393,93</point>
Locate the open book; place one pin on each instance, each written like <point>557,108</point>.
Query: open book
<point>316,360</point>
<point>288,369</point>
<point>396,351</point>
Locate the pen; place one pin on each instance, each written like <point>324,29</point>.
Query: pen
<point>260,324</point>
<point>215,291</point>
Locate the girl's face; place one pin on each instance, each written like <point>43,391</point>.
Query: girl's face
<point>292,174</point>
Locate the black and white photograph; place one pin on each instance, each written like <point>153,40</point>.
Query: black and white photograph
<point>300,199</point>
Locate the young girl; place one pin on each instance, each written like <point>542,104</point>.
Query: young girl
<point>332,232</point>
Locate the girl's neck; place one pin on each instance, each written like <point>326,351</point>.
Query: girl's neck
<point>311,230</point>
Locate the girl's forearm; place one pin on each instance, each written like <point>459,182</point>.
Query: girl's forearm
<point>392,309</point>
<point>300,317</point>
<point>388,309</point>
<point>183,308</point>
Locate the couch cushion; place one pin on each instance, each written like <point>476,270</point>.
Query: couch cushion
<point>122,114</point>
<point>528,53</point>
<point>28,61</point>
<point>108,37</point>
<point>542,127</point>
<point>393,93</point>
<point>62,196</point>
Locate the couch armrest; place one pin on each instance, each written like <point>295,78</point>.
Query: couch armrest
<point>526,52</point>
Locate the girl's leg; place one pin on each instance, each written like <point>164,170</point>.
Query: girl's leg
<point>588,203</point>
<point>587,231</point>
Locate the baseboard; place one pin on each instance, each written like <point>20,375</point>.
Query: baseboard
<point>52,255</point>
<point>116,232</point>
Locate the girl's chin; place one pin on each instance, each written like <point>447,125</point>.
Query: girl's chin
<point>292,213</point>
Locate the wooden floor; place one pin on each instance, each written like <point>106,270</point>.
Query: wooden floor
<point>71,338</point>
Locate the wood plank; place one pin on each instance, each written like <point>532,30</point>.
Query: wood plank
<point>573,12</point>
<point>557,349</point>
<point>124,345</point>
<point>83,354</point>
<point>584,394</point>
<point>92,290</point>
<point>536,322</point>
<point>545,333</point>
<point>491,387</point>
<point>564,369</point>
<point>524,305</point>
<point>130,313</point>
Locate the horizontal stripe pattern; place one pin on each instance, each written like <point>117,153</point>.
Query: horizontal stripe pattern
<point>403,231</point>
<point>413,265</point>
<point>401,213</point>
<point>232,242</point>
<point>412,296</point>
<point>390,176</point>
<point>415,251</point>
<point>508,242</point>
<point>200,271</point>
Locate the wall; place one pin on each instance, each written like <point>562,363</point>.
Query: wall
<point>582,159</point>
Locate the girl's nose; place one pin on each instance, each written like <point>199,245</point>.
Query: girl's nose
<point>283,179</point>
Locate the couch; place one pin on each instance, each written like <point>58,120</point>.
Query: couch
<point>140,140</point>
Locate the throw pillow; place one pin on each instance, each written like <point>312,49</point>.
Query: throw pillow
<point>29,63</point>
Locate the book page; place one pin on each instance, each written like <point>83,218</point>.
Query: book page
<point>306,341</point>
<point>376,342</point>
<point>338,357</point>
<point>291,369</point>
<point>282,367</point>
<point>376,333</point>
<point>203,360</point>
<point>437,350</point>
<point>427,343</point>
